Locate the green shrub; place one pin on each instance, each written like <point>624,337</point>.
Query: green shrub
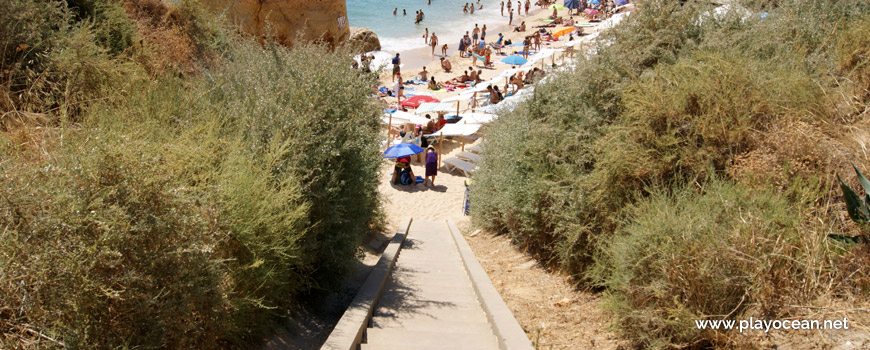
<point>101,248</point>
<point>232,195</point>
<point>714,253</point>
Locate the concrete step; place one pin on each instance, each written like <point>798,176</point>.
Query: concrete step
<point>428,325</point>
<point>435,294</point>
<point>414,347</point>
<point>430,272</point>
<point>442,315</point>
<point>418,339</point>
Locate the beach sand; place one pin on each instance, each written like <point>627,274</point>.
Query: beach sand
<point>413,60</point>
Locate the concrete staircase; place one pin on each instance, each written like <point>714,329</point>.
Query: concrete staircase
<point>429,301</point>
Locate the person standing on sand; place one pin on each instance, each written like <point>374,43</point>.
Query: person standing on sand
<point>509,5</point>
<point>528,4</point>
<point>396,62</point>
<point>502,8</point>
<point>527,43</point>
<point>511,19</point>
<point>433,40</point>
<point>462,48</point>
<point>431,166</point>
<point>475,33</point>
<point>426,36</point>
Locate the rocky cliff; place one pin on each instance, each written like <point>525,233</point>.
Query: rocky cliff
<point>364,39</point>
<point>285,19</point>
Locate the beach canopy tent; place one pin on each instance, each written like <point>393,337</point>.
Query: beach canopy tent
<point>514,60</point>
<point>402,150</point>
<point>435,107</point>
<point>402,117</point>
<point>572,4</point>
<point>591,12</point>
<point>477,118</point>
<point>458,129</point>
<point>415,101</point>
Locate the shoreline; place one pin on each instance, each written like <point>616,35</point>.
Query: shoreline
<point>415,59</point>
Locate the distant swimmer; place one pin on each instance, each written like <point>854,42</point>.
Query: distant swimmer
<point>404,13</point>
<point>419,17</point>
<point>395,10</point>
<point>472,9</point>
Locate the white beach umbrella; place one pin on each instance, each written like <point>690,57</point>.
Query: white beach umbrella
<point>477,118</point>
<point>461,97</point>
<point>402,117</point>
<point>435,107</point>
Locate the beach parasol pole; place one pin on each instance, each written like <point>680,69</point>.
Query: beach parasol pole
<point>440,147</point>
<point>389,127</point>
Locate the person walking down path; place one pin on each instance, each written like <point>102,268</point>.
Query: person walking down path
<point>431,166</point>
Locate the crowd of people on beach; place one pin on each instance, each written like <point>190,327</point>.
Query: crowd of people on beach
<point>474,45</point>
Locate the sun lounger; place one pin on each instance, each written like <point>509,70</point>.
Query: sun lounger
<point>470,156</point>
<point>452,164</point>
<point>476,149</point>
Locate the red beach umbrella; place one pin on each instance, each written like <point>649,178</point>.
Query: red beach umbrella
<point>415,101</point>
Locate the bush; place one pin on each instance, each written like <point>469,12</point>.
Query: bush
<point>197,211</point>
<point>673,98</point>
<point>101,248</point>
<point>718,253</point>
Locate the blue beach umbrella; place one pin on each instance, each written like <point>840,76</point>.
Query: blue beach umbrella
<point>594,2</point>
<point>621,2</point>
<point>516,60</point>
<point>572,4</point>
<point>402,150</point>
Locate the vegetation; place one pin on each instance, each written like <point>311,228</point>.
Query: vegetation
<point>179,201</point>
<point>688,167</point>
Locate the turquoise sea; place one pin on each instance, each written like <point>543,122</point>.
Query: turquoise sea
<point>443,17</point>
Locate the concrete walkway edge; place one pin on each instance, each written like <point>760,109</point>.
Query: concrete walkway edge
<point>510,334</point>
<point>348,333</point>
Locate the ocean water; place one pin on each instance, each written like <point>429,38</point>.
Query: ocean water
<point>444,17</point>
